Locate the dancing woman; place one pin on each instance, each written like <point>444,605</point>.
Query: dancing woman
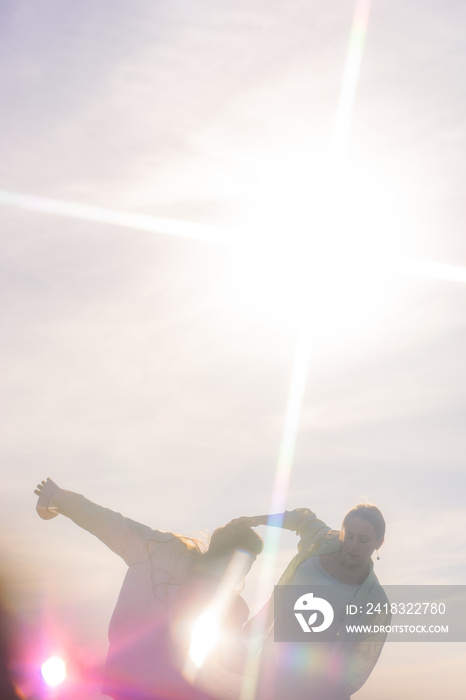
<point>343,560</point>
<point>170,581</point>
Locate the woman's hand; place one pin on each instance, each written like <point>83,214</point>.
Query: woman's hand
<point>45,491</point>
<point>39,488</point>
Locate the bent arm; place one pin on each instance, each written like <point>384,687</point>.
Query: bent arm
<point>301,520</point>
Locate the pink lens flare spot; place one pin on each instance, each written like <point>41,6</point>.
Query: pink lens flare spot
<point>53,671</point>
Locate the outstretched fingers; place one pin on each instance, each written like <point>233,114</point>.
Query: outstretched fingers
<point>39,488</point>
<point>46,490</point>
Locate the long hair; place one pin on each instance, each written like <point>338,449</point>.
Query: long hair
<point>226,540</point>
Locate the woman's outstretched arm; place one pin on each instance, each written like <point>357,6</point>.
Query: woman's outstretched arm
<point>284,520</point>
<point>124,536</point>
<point>296,520</point>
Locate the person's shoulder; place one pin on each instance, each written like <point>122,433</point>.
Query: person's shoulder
<point>329,539</point>
<point>330,534</point>
<point>174,543</point>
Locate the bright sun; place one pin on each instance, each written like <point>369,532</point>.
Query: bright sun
<point>319,251</point>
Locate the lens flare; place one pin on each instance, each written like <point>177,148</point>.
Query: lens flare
<point>206,632</point>
<point>53,671</point>
<point>204,637</point>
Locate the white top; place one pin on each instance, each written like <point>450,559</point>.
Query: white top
<point>159,563</point>
<point>312,573</point>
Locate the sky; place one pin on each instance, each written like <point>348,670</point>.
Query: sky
<point>288,300</point>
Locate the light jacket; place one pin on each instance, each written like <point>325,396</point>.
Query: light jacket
<point>159,563</point>
<point>357,658</point>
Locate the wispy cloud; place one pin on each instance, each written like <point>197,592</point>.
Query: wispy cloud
<point>134,369</point>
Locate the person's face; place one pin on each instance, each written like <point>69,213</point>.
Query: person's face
<point>359,541</point>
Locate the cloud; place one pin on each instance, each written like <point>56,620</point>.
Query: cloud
<point>129,370</point>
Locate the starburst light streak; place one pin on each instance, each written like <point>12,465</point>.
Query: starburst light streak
<point>292,415</point>
<point>206,632</point>
<point>350,77</point>
<point>202,232</point>
<point>125,219</point>
<point>302,356</point>
<point>431,270</point>
<point>301,361</point>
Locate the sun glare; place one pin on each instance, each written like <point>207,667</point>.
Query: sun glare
<point>321,251</point>
<point>205,634</point>
<point>206,631</point>
<point>53,671</point>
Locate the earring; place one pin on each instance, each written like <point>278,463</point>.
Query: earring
<point>378,558</point>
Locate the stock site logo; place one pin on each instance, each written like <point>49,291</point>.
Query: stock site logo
<point>312,605</point>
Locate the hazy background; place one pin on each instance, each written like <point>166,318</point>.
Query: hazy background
<point>151,372</point>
